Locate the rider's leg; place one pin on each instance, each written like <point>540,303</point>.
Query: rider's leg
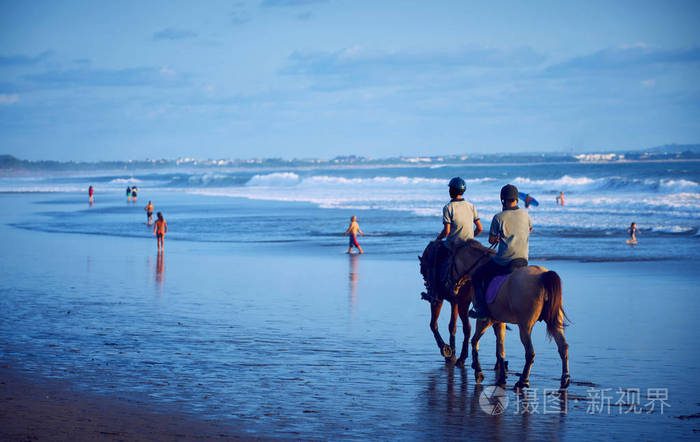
<point>481,275</point>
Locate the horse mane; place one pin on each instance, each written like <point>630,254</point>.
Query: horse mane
<point>474,244</point>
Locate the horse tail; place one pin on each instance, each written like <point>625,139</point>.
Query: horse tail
<point>552,307</point>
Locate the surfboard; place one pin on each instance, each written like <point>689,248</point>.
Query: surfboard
<point>533,202</point>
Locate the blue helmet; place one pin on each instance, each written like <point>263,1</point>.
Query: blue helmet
<point>458,184</point>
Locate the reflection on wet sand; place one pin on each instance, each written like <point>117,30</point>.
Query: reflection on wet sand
<point>451,407</point>
<point>160,271</point>
<point>352,281</point>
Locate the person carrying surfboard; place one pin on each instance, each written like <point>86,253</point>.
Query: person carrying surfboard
<point>510,229</point>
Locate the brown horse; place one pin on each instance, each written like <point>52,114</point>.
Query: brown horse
<point>459,306</point>
<point>528,295</point>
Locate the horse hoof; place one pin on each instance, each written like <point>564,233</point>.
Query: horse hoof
<point>446,351</point>
<point>501,383</point>
<point>522,384</point>
<point>565,381</point>
<point>451,360</point>
<point>479,377</point>
<point>460,362</point>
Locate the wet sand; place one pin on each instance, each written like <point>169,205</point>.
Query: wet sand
<point>44,410</point>
<point>274,341</point>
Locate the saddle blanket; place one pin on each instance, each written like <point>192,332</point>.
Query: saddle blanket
<point>493,288</point>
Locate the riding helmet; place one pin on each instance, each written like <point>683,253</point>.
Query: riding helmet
<point>509,192</point>
<point>458,184</point>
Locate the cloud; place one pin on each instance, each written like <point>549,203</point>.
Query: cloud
<point>174,34</point>
<point>625,57</point>
<point>355,60</point>
<point>648,83</point>
<point>157,77</point>
<point>23,60</point>
<point>8,98</point>
<point>304,16</point>
<point>289,3</point>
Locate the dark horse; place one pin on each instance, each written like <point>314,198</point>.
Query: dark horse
<point>459,300</point>
<point>528,295</point>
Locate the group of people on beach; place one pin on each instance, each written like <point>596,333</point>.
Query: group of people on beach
<point>132,193</point>
<point>160,227</point>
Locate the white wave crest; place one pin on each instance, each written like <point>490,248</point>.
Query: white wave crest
<point>274,179</point>
<point>125,181</point>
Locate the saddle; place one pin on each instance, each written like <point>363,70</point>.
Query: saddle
<point>494,286</point>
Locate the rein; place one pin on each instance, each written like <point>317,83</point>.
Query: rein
<point>465,276</point>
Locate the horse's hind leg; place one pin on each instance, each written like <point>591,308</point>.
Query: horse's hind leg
<point>563,348</point>
<point>526,339</point>
<point>481,327</point>
<point>500,329</point>
<point>435,308</point>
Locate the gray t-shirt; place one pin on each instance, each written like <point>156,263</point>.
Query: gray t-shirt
<point>461,216</point>
<point>513,225</point>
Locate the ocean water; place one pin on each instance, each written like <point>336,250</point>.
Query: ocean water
<point>399,208</point>
<point>254,314</point>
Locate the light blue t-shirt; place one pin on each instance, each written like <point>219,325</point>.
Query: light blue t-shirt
<point>513,225</point>
<point>461,216</point>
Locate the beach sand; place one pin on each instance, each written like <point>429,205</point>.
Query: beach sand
<point>276,341</point>
<point>42,410</point>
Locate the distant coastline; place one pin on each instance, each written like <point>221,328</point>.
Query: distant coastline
<point>666,153</point>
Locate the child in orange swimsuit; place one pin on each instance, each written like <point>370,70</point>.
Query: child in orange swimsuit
<point>160,228</point>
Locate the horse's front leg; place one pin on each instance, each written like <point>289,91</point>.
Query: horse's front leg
<point>435,308</point>
<point>453,332</point>
<point>526,339</point>
<point>466,328</point>
<point>481,327</point>
<point>499,329</point>
<point>563,348</point>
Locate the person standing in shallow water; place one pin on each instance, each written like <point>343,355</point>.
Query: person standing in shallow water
<point>149,213</point>
<point>353,230</point>
<point>128,193</point>
<point>91,193</point>
<point>160,228</point>
<point>560,199</point>
<point>633,230</point>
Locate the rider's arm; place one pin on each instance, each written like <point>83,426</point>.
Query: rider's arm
<point>479,228</point>
<point>444,233</point>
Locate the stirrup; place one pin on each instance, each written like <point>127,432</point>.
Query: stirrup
<point>477,315</point>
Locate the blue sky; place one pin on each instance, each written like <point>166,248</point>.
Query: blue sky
<point>96,80</point>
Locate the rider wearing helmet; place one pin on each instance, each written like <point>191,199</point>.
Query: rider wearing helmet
<point>458,216</point>
<point>510,229</point>
<point>457,219</point>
